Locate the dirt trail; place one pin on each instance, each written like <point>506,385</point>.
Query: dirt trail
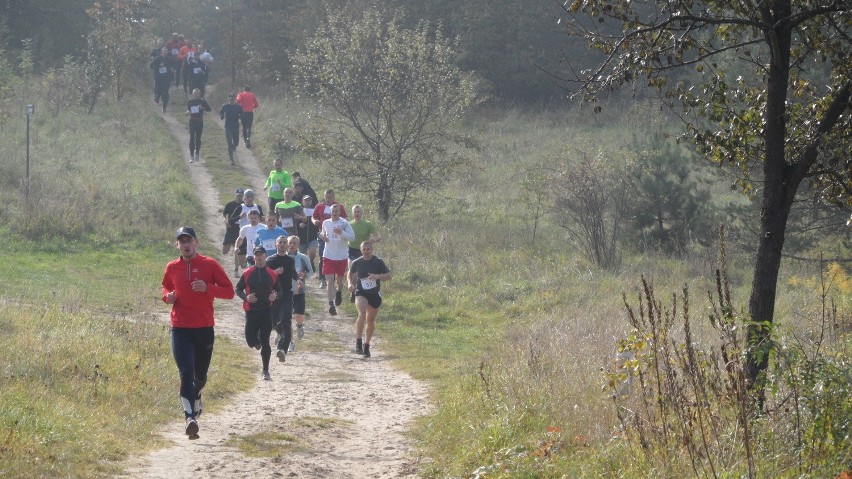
<point>328,412</point>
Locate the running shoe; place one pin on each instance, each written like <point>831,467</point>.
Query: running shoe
<point>292,347</point>
<point>359,348</point>
<point>300,331</point>
<point>248,143</point>
<point>366,350</point>
<point>323,284</point>
<point>191,158</point>
<point>282,356</point>
<point>266,376</point>
<point>338,298</point>
<point>191,426</point>
<point>197,407</point>
<point>331,309</point>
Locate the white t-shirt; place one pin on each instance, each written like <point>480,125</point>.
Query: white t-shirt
<point>249,232</point>
<point>244,213</point>
<point>337,246</point>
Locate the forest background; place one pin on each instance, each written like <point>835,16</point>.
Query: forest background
<point>508,299</point>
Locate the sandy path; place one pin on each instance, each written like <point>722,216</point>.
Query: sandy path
<point>327,413</point>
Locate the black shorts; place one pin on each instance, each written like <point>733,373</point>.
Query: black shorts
<point>373,299</point>
<point>354,253</point>
<point>299,303</point>
<point>231,235</point>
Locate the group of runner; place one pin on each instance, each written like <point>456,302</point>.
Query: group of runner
<point>179,56</point>
<point>274,257</point>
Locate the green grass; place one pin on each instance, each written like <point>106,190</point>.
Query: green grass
<point>512,336</point>
<point>87,373</point>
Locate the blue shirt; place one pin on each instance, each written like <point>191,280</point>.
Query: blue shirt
<point>266,237</point>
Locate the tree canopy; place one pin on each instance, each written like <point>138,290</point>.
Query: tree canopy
<point>770,88</point>
<point>389,96</point>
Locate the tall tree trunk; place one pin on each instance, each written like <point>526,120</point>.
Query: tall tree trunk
<point>778,193</point>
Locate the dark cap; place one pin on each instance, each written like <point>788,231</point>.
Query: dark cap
<point>230,95</point>
<point>238,191</point>
<point>185,231</point>
<point>259,249</point>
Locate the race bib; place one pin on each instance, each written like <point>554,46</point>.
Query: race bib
<point>276,187</point>
<point>174,51</point>
<point>327,210</point>
<point>196,70</point>
<point>195,109</point>
<point>163,70</point>
<point>309,211</point>
<point>286,222</point>
<point>367,283</point>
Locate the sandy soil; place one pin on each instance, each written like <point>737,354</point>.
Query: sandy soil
<point>327,413</point>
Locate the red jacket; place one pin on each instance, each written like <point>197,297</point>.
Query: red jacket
<point>191,308</point>
<point>247,100</point>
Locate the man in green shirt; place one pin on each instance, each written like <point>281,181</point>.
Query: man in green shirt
<point>290,213</point>
<point>364,231</point>
<point>278,180</point>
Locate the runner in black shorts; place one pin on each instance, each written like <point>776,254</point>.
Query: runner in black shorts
<point>365,280</point>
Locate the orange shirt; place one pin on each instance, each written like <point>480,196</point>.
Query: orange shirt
<point>248,101</point>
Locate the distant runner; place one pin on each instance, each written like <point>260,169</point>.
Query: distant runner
<point>231,214</point>
<point>308,230</point>
<point>365,280</point>
<point>231,113</point>
<point>190,283</point>
<point>248,101</point>
<point>290,212</point>
<point>276,182</point>
<point>336,233</point>
<point>163,73</point>
<point>195,108</point>
<point>248,235</point>
<point>321,213</point>
<point>302,187</point>
<point>282,319</point>
<point>364,231</point>
<point>266,236</point>
<point>303,270</point>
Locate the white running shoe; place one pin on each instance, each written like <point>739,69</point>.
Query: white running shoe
<point>300,331</point>
<point>292,348</point>
<point>266,376</point>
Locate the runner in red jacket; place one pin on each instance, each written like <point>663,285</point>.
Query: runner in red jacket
<point>190,283</point>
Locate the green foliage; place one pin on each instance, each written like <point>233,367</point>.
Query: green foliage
<point>114,45</point>
<point>668,204</point>
<point>389,98</point>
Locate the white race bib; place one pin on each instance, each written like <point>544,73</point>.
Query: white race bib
<point>276,187</point>
<point>196,71</point>
<point>174,51</point>
<point>195,109</point>
<point>367,283</point>
<point>163,70</point>
<point>286,222</point>
<point>309,212</point>
<point>327,210</point>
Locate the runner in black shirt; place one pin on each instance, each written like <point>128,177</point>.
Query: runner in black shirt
<point>259,288</point>
<point>195,108</point>
<point>163,72</point>
<point>285,267</point>
<point>231,113</point>
<point>231,214</point>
